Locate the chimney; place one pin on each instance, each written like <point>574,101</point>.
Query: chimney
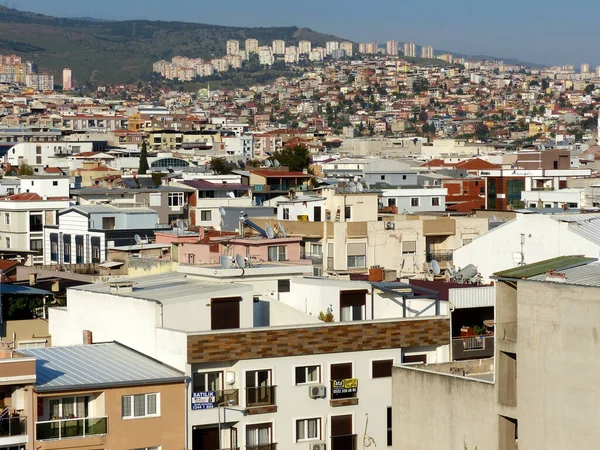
<point>87,337</point>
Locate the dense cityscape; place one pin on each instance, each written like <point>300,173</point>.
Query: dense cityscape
<point>297,244</point>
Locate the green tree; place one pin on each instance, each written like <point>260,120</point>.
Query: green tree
<point>590,88</point>
<point>143,167</point>
<point>296,158</point>
<point>482,131</point>
<point>326,316</point>
<point>25,169</point>
<point>220,166</point>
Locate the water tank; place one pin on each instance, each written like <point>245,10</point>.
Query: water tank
<point>466,273</point>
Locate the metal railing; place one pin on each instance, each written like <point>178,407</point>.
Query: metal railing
<point>344,442</point>
<point>440,256</point>
<point>260,396</point>
<point>13,426</point>
<point>55,430</point>
<point>262,447</point>
<point>471,347</point>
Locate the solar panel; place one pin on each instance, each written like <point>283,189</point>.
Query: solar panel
<point>130,183</point>
<point>146,182</point>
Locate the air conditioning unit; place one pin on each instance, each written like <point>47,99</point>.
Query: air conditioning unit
<point>317,446</point>
<point>317,391</point>
<point>390,226</point>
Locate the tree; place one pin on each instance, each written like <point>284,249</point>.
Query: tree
<point>482,131</point>
<point>545,84</point>
<point>143,167</point>
<point>220,166</point>
<point>590,88</point>
<point>423,117</point>
<point>326,316</point>
<point>25,169</point>
<point>296,158</point>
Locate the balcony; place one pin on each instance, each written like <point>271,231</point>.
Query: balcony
<point>257,397</point>
<point>56,430</point>
<point>220,397</point>
<point>262,447</point>
<point>473,347</point>
<point>12,426</point>
<point>344,442</point>
<point>440,256</point>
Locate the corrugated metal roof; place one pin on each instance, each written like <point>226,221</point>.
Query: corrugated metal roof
<point>585,225</point>
<point>587,275</point>
<point>96,365</point>
<point>475,297</point>
<point>108,209</point>
<point>560,263</point>
<point>16,289</point>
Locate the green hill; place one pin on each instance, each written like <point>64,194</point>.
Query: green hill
<point>123,51</point>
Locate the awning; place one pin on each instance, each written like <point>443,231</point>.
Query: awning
<point>111,264</point>
<point>17,289</point>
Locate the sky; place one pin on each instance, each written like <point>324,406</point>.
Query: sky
<point>550,32</point>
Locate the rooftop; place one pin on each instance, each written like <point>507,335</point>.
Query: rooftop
<point>95,366</point>
<point>560,263</point>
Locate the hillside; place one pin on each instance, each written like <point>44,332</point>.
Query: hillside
<point>123,51</point>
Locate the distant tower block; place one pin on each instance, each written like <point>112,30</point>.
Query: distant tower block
<point>67,80</point>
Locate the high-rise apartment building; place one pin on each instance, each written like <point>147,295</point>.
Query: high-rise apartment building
<point>278,47</point>
<point>67,79</point>
<point>446,57</point>
<point>427,52</point>
<point>330,46</point>
<point>233,47</point>
<point>410,50</point>
<point>251,46</point>
<point>391,48</point>
<point>348,48</point>
<point>371,48</point>
<point>598,71</point>
<point>585,68</point>
<point>40,82</point>
<point>305,47</point>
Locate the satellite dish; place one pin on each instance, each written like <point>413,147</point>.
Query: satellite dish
<point>427,269</point>
<point>450,269</point>
<point>138,239</point>
<point>231,195</point>
<point>276,163</point>
<point>268,163</point>
<point>435,266</point>
<point>353,188</point>
<point>355,179</point>
<point>239,260</point>
<point>222,211</point>
<point>368,186</point>
<point>359,187</point>
<point>270,232</point>
<point>282,230</point>
<point>225,261</point>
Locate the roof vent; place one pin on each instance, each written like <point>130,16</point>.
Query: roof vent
<point>121,287</point>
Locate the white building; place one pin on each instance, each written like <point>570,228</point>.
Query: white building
<point>233,47</point>
<point>348,47</point>
<point>304,47</point>
<point>40,154</point>
<point>427,52</point>
<point>289,379</point>
<point>411,201</point>
<point>410,50</point>
<point>530,238</point>
<point>67,79</point>
<point>251,46</point>
<point>391,48</point>
<point>266,58</point>
<point>330,46</point>
<point>278,47</point>
<point>242,146</point>
<point>569,198</point>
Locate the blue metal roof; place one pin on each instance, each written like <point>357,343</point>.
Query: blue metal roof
<point>16,289</point>
<point>97,366</point>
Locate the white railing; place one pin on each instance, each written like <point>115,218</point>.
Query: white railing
<point>474,342</point>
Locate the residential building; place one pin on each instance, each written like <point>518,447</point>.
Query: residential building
<point>538,308</point>
<point>83,233</point>
<point>265,57</point>
<point>410,50</point>
<point>278,47</point>
<point>391,48</point>
<point>233,47</point>
<point>251,46</point>
<point>41,154</point>
<point>348,48</point>
<point>40,81</point>
<point>272,397</point>
<point>414,200</point>
<point>427,52</point>
<point>103,395</point>
<point>267,184</point>
<point>67,79</point>
<point>304,47</point>
<point>330,46</point>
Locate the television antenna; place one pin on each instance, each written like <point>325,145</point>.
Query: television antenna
<point>282,230</point>
<point>225,261</point>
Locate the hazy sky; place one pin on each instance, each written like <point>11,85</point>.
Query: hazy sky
<point>537,31</point>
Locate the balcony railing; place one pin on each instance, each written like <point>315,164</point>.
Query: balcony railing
<point>262,447</point>
<point>471,347</point>
<point>13,426</point>
<point>55,430</point>
<point>260,396</point>
<point>440,256</point>
<point>345,442</point>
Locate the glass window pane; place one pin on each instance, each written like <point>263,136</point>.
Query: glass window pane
<point>300,375</point>
<point>126,406</point>
<point>300,429</point>
<point>312,428</point>
<point>68,407</point>
<point>312,373</point>
<point>139,405</point>
<point>152,409</point>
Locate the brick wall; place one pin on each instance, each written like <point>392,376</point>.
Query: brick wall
<point>314,340</point>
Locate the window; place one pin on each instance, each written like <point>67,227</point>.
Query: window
<point>414,202</point>
<point>308,375</point>
<point>54,247</point>
<point>413,359</point>
<point>316,249</point>
<point>435,201</point>
<point>108,223</point>
<point>37,246</point>
<point>286,214</point>
<point>404,177</point>
<point>79,249</point>
<point>466,241</point>
<point>352,305</point>
<point>38,149</point>
<point>208,381</point>
<point>382,369</point>
<point>95,242</point>
<point>283,285</point>
<point>317,271</point>
<point>35,223</point>
<point>6,218</point>
<point>357,255</point>
<point>259,388</point>
<point>225,313</point>
<point>258,437</point>
<point>382,177</point>
<point>155,200</point>
<point>175,199</point>
<point>277,253</point>
<point>341,371</point>
<point>409,247</point>
<point>308,429</point>
<point>507,390</point>
<point>55,183</point>
<point>68,407</point>
<point>141,405</point>
<point>389,426</point>
<point>7,240</point>
<point>38,159</point>
<point>206,216</point>
<point>67,248</point>
<point>348,212</point>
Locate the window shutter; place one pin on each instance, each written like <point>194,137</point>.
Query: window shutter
<point>382,369</point>
<point>357,249</point>
<point>353,298</point>
<point>225,313</point>
<point>409,246</point>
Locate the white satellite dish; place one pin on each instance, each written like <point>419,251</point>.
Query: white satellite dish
<point>435,266</point>
<point>359,187</point>
<point>225,261</point>
<point>275,163</point>
<point>270,232</point>
<point>268,163</point>
<point>239,260</point>
<point>427,269</point>
<point>231,195</point>
<point>222,211</point>
<point>138,239</point>
<point>353,188</point>
<point>282,230</point>
<point>368,186</point>
<point>355,179</point>
<point>450,269</point>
